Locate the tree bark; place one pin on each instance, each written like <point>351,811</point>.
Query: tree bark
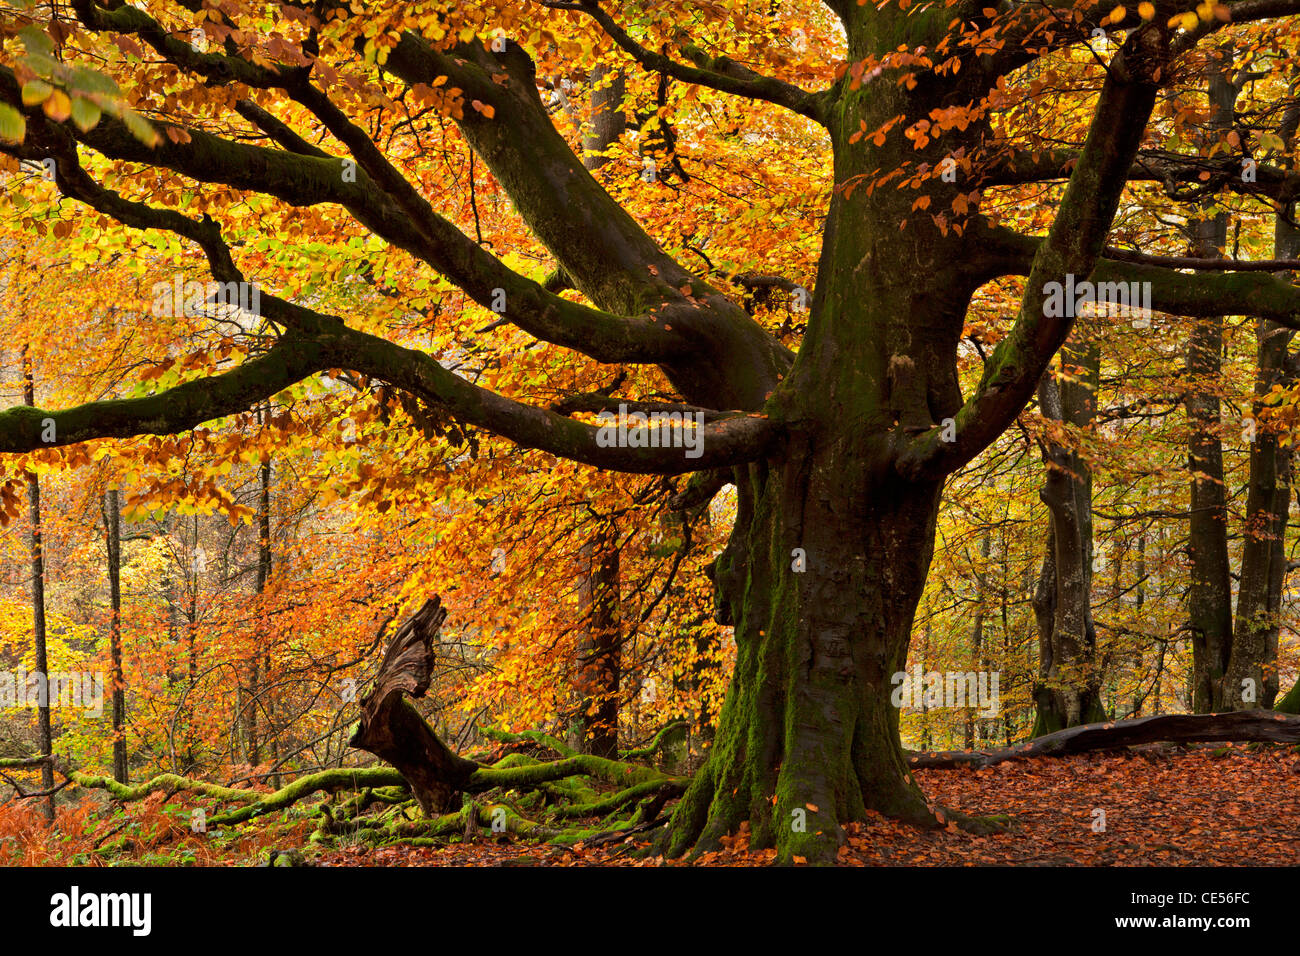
<point>253,744</point>
<point>599,656</point>
<point>977,631</point>
<point>1251,679</point>
<point>608,121</point>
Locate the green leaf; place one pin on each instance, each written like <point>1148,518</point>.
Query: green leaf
<point>84,79</point>
<point>36,92</point>
<point>12,125</point>
<point>1271,141</point>
<point>35,40</point>
<point>84,113</point>
<point>40,64</point>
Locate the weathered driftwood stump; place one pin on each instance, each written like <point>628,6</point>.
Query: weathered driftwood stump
<point>392,730</point>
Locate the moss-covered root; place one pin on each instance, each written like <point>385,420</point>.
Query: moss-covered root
<point>660,740</point>
<point>529,736</point>
<point>328,781</point>
<point>493,819</point>
<point>358,803</point>
<point>531,775</point>
<point>254,802</point>
<point>980,826</point>
<point>616,801</point>
<point>165,782</point>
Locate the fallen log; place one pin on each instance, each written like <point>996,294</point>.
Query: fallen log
<point>1240,725</point>
<point>391,729</point>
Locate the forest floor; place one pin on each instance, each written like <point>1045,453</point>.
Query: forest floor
<point>1203,805</point>
<point>1227,806</point>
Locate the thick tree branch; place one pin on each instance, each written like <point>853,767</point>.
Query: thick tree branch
<point>606,254</point>
<point>24,428</point>
<point>308,180</point>
<point>729,441</point>
<point>1171,169</point>
<point>1222,288</point>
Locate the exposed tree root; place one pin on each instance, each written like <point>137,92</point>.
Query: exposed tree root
<point>656,743</point>
<point>529,736</point>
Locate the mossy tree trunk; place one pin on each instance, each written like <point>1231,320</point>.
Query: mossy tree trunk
<point>1068,692</point>
<point>1290,704</point>
<point>808,738</point>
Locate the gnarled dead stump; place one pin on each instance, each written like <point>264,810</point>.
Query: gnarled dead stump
<point>392,730</point>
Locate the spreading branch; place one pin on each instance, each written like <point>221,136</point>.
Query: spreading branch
<point>1073,245</point>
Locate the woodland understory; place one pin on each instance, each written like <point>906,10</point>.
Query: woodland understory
<point>536,789</point>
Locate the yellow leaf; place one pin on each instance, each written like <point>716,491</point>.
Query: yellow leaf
<point>1146,10</point>
<point>58,107</point>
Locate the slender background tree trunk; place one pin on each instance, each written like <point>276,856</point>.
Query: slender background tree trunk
<point>113,545</point>
<point>1252,665</point>
<point>1209,602</point>
<point>45,735</point>
<point>599,657</point>
<point>1068,692</point>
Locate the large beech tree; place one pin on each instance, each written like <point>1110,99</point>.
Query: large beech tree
<point>840,449</point>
